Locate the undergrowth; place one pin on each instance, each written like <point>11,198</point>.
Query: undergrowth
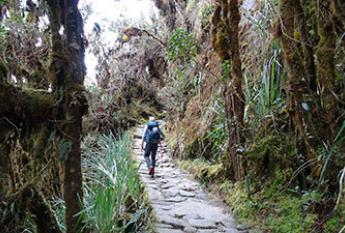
<point>263,205</point>
<point>113,195</point>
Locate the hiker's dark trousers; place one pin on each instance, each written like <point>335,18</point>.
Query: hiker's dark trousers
<point>150,149</point>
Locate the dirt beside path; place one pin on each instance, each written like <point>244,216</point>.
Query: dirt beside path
<point>179,202</point>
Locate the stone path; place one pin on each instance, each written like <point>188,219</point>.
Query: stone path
<point>179,202</point>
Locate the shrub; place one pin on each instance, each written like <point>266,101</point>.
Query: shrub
<point>182,45</point>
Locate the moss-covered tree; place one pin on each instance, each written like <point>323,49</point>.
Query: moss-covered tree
<point>68,71</point>
<point>33,117</point>
<point>225,39</point>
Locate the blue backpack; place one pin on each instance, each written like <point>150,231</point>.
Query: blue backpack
<point>153,133</point>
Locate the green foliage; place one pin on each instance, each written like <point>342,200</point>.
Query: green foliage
<point>205,16</point>
<point>182,45</point>
<point>267,207</point>
<point>339,139</point>
<point>58,205</point>
<point>113,195</point>
<point>3,33</point>
<point>119,108</point>
<point>337,221</point>
<point>288,217</point>
<point>114,200</point>
<point>268,96</point>
<point>226,69</point>
<point>270,151</point>
<point>203,170</point>
<point>282,212</point>
<point>216,136</point>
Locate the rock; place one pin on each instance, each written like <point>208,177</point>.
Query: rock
<point>164,160</point>
<point>174,222</point>
<point>176,199</point>
<point>180,204</point>
<point>231,231</point>
<point>164,181</point>
<point>203,223</point>
<point>161,203</point>
<point>179,215</point>
<point>170,193</point>
<point>168,185</point>
<point>169,207</point>
<point>208,231</point>
<point>163,226</point>
<point>154,194</point>
<point>242,227</point>
<point>186,194</point>
<point>165,230</point>
<point>188,186</point>
<point>190,230</point>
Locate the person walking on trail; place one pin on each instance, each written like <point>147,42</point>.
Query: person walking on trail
<point>152,137</point>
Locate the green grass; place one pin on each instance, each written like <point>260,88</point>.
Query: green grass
<point>114,199</point>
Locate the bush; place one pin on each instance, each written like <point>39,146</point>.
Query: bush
<point>182,45</point>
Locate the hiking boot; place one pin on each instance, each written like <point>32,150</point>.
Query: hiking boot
<point>151,171</point>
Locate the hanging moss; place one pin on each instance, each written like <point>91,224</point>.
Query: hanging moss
<point>38,104</point>
<point>26,104</point>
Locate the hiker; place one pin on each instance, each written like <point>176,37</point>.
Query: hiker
<point>152,137</point>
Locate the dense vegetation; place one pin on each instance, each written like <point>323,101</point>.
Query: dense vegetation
<point>274,78</point>
<point>253,93</point>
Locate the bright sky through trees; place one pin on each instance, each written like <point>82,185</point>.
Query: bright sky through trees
<point>106,12</point>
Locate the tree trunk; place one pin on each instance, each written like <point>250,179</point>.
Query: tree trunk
<point>295,85</point>
<point>225,40</point>
<point>68,71</point>
<point>74,107</point>
<point>326,66</point>
<point>307,47</point>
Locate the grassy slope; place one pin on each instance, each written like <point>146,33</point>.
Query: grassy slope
<point>267,209</point>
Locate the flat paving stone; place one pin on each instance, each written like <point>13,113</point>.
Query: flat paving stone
<point>165,230</point>
<point>183,193</point>
<point>180,203</point>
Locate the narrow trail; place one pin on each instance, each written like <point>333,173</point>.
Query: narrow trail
<point>179,202</point>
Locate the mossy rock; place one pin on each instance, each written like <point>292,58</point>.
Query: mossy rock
<point>275,149</point>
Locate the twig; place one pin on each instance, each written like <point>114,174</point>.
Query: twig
<point>342,229</point>
<point>11,123</point>
<point>298,171</point>
<point>341,180</point>
<point>154,37</point>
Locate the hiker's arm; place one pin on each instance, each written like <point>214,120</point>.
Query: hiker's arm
<point>143,138</point>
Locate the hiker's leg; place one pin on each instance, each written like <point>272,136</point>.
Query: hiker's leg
<point>153,154</point>
<point>147,154</point>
